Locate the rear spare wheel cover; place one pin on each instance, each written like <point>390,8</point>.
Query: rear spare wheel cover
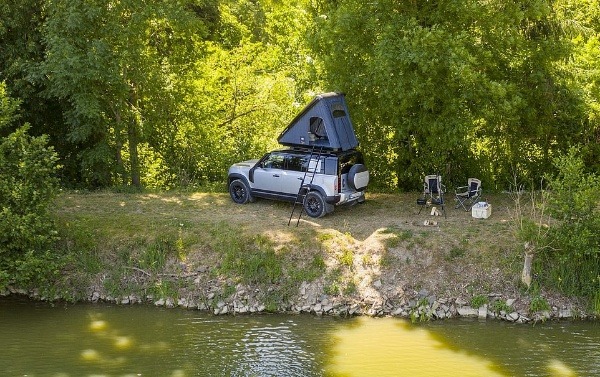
<point>354,173</point>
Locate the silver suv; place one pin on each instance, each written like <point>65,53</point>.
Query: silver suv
<point>328,178</point>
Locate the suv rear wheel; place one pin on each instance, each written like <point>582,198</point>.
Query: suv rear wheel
<point>239,191</point>
<point>315,205</point>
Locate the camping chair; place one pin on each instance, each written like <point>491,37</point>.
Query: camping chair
<point>433,192</point>
<point>468,195</point>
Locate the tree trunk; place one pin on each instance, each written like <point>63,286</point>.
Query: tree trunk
<point>119,146</point>
<point>133,135</point>
<point>133,153</point>
<point>526,273</point>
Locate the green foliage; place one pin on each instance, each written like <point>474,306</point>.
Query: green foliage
<point>155,256</point>
<point>28,184</point>
<point>462,88</point>
<point>478,301</point>
<point>169,93</point>
<point>500,306</point>
<point>573,262</point>
<point>256,265</point>
<point>538,304</point>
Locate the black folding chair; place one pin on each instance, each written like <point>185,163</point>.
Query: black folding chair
<point>433,193</point>
<point>468,195</point>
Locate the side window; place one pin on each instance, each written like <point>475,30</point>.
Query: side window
<point>315,165</point>
<point>295,163</point>
<point>275,161</point>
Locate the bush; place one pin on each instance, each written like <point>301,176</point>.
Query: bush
<point>572,263</point>
<point>27,186</point>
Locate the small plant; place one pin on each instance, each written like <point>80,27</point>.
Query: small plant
<point>499,306</point>
<point>538,304</point>
<point>421,312</point>
<point>350,288</point>
<point>164,289</point>
<point>347,258</point>
<point>596,301</point>
<point>478,301</point>
<point>323,237</point>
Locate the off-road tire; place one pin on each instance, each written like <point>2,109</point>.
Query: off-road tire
<point>314,205</point>
<point>239,192</point>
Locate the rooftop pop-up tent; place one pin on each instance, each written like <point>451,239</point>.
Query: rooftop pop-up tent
<point>324,122</point>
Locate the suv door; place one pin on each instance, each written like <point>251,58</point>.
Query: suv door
<point>295,165</point>
<point>267,175</point>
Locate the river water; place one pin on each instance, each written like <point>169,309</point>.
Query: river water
<point>39,339</point>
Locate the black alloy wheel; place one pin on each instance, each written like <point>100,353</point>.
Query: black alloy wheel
<point>239,192</point>
<point>314,205</point>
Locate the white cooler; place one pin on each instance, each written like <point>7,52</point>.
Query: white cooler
<point>481,210</point>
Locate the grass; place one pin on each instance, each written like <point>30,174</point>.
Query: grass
<point>135,240</point>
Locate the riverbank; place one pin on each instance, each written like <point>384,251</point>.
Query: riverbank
<point>380,258</point>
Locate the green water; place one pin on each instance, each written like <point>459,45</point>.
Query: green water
<point>37,339</point>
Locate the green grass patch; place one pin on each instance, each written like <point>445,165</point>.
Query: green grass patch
<point>478,301</point>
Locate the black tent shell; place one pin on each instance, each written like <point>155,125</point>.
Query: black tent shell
<point>324,122</point>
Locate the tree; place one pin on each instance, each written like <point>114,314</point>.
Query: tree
<point>116,64</point>
<point>28,184</point>
<point>461,88</point>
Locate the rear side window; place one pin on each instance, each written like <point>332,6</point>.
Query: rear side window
<point>295,163</point>
<point>300,163</point>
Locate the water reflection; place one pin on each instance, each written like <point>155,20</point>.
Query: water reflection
<point>392,347</point>
<point>37,339</point>
<point>273,351</point>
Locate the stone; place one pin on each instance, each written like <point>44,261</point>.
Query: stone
<point>170,303</point>
<point>510,301</point>
<point>460,302</point>
<point>565,313</point>
<point>523,319</point>
<point>512,317</point>
<point>482,312</point>
<point>377,283</point>
<point>159,302</point>
<point>467,311</point>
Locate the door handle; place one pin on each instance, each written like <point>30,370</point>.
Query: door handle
<point>276,175</point>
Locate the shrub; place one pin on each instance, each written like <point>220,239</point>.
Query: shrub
<point>572,263</point>
<point>27,186</point>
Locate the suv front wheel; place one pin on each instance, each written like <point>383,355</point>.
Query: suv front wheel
<point>315,205</point>
<point>239,191</point>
